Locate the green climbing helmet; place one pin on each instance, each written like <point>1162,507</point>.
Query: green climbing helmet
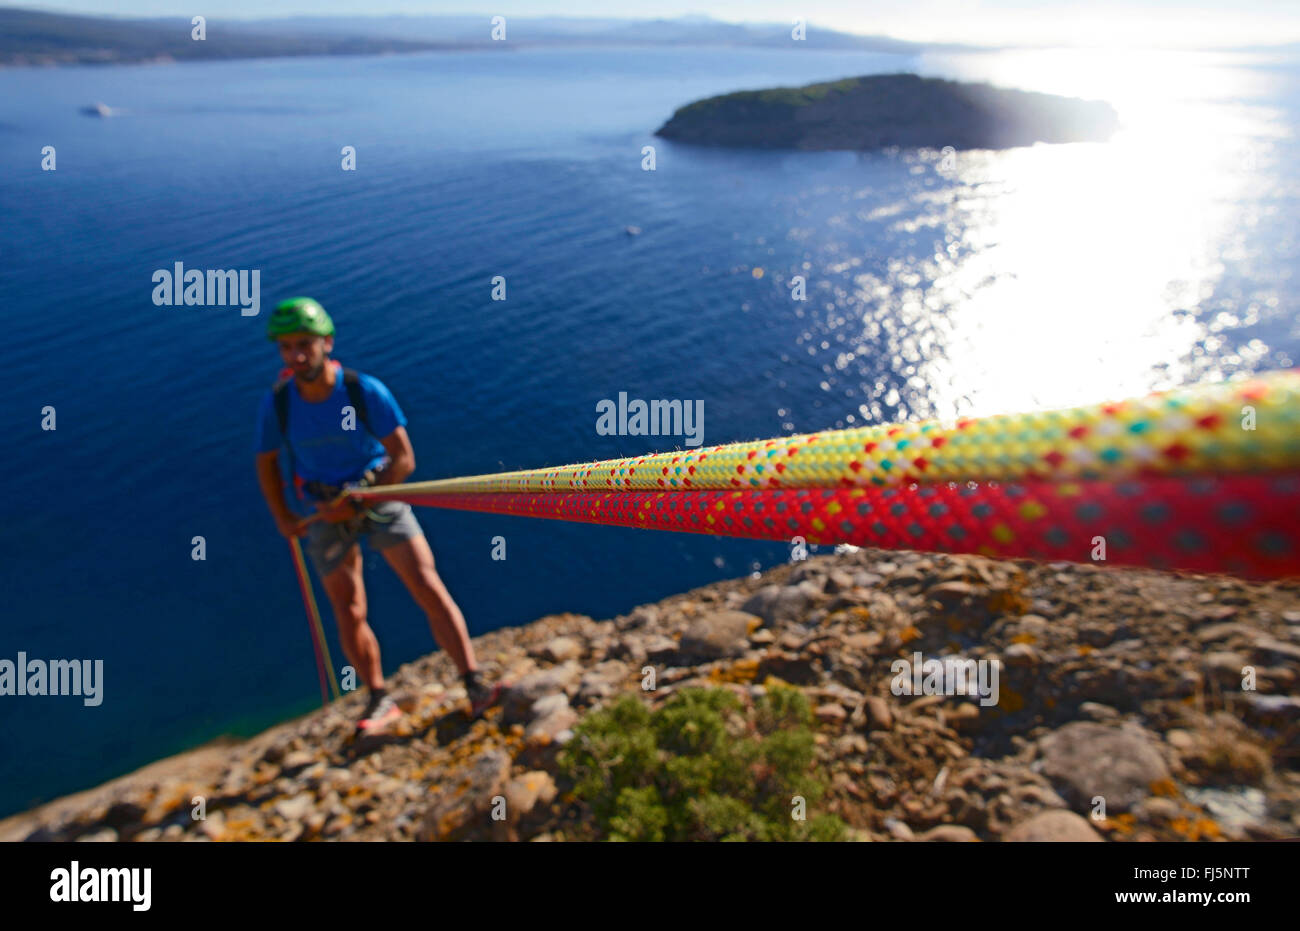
<point>299,315</point>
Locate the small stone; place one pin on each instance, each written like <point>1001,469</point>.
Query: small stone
<point>1217,632</point>
<point>949,592</point>
<point>561,650</point>
<point>851,745</point>
<point>1020,654</point>
<point>1156,809</point>
<point>1098,712</point>
<point>212,827</point>
<point>838,580</point>
<point>336,776</point>
<point>1038,795</point>
<point>963,717</point>
<point>1055,825</point>
<point>297,760</point>
<point>1272,709</point>
<point>790,640</point>
<point>1287,651</point>
<point>548,704</point>
<point>519,697</point>
<point>864,642</point>
<point>1236,809</point>
<point>1223,666</point>
<point>778,604</point>
<point>526,792</point>
<point>641,616</point>
<point>236,780</point>
<point>173,832</point>
<point>879,717</point>
<point>1032,624</point>
<point>795,668</point>
<point>1095,635</point>
<point>717,635</point>
<point>898,829</point>
<point>830,713</point>
<point>1281,677</point>
<point>295,808</point>
<point>148,835</point>
<point>951,834</point>
<point>102,836</point>
<point>546,730</point>
<point>603,680</point>
<point>656,648</point>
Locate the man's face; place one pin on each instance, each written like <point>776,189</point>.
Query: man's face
<point>305,353</point>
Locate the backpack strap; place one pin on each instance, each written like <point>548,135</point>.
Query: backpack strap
<point>352,381</point>
<point>280,396</point>
<point>280,400</point>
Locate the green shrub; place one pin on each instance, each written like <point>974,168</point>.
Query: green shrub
<point>700,767</point>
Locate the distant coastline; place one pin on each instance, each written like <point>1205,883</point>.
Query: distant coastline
<point>36,38</point>
<point>29,38</point>
<point>881,111</point>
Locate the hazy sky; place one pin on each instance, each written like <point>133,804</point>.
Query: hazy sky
<point>1102,22</point>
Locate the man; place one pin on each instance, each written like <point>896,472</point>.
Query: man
<point>345,432</point>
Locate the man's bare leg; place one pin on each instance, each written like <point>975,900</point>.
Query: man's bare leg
<point>412,560</point>
<point>347,594</point>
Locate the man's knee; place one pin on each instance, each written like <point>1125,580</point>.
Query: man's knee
<point>351,613</point>
<point>347,595</point>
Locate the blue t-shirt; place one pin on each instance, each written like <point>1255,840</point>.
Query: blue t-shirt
<point>323,450</point>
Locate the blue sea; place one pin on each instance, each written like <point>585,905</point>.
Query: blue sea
<point>936,284</point>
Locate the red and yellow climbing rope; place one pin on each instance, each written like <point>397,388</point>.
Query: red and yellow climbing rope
<point>1205,478</point>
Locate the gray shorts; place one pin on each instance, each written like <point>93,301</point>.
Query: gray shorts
<point>329,544</point>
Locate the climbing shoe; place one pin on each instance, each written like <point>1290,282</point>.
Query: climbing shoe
<point>482,696</point>
<point>379,714</point>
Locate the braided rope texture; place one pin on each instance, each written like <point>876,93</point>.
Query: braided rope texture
<point>1242,524</point>
<point>1186,431</point>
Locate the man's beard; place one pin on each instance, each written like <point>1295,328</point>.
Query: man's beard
<point>313,373</point>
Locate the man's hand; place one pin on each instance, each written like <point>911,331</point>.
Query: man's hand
<point>345,510</point>
<point>290,525</point>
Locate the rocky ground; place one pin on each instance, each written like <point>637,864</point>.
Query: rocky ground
<point>1114,684</point>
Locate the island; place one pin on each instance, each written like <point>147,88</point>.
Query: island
<point>885,110</point>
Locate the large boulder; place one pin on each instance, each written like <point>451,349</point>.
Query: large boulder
<point>716,635</point>
<point>517,702</point>
<point>603,680</point>
<point>524,793</point>
<point>1054,825</point>
<point>559,650</point>
<point>466,798</point>
<point>1085,760</point>
<point>782,604</point>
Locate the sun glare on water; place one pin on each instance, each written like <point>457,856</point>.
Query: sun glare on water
<point>1073,272</point>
